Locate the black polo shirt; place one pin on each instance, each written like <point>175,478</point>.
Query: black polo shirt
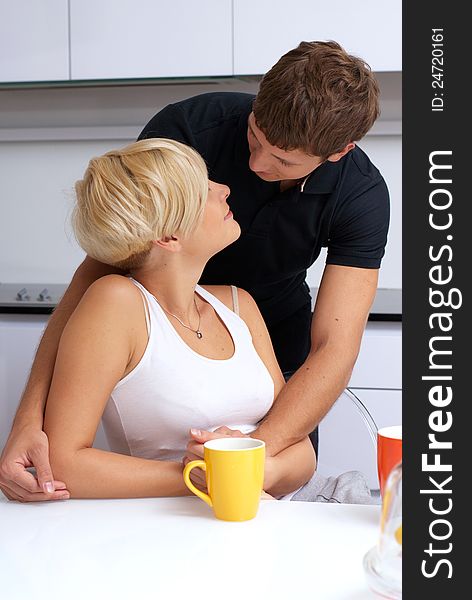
<point>342,205</point>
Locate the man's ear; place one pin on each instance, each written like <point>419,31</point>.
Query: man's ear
<point>337,155</point>
<point>170,244</point>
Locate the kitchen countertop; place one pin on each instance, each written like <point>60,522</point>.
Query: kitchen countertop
<point>173,548</point>
<point>387,305</point>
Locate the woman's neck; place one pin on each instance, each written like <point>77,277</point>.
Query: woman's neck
<point>173,285</point>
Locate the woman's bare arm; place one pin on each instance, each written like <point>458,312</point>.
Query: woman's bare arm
<point>97,345</point>
<point>31,409</point>
<point>27,445</point>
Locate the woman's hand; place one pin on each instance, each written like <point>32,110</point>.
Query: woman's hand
<point>195,450</point>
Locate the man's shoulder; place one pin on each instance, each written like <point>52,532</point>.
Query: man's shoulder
<point>213,108</point>
<point>362,197</point>
<point>361,166</point>
<point>346,178</point>
<point>223,100</point>
<point>359,177</point>
<point>191,120</point>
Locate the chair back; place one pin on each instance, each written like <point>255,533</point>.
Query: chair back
<point>348,440</point>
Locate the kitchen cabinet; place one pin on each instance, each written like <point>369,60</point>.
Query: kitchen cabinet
<point>378,365</point>
<point>267,29</point>
<point>148,39</point>
<point>34,40</point>
<point>56,40</point>
<point>344,441</point>
<point>19,337</point>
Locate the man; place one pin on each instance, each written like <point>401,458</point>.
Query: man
<point>298,182</point>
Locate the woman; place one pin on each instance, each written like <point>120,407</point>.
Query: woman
<point>155,353</point>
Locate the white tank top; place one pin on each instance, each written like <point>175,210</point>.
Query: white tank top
<point>173,388</point>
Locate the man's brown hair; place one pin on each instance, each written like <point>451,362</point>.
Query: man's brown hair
<point>317,98</point>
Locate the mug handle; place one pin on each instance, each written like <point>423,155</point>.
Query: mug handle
<point>192,465</point>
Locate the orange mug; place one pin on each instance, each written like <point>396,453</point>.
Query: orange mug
<point>389,452</point>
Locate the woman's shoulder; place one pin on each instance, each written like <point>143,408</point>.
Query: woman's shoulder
<point>113,284</point>
<point>112,293</point>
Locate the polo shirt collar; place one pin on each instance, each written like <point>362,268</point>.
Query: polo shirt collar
<point>324,179</point>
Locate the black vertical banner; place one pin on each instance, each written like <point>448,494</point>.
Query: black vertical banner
<point>437,334</point>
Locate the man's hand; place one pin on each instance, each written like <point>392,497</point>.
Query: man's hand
<point>29,447</point>
<point>195,450</point>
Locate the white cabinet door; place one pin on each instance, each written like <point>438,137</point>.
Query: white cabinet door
<point>34,40</point>
<point>379,364</point>
<point>19,338</point>
<point>267,29</point>
<point>147,39</point>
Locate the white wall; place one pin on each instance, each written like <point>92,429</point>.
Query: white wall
<point>47,137</point>
<point>37,178</point>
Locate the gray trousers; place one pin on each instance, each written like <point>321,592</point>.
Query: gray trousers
<point>347,488</point>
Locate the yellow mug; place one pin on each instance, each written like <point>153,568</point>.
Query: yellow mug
<point>234,474</point>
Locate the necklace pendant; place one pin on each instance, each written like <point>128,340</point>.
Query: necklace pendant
<point>199,334</point>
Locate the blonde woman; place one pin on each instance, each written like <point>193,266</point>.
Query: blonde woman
<point>155,354</point>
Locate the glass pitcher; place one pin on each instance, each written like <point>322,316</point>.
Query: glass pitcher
<point>383,562</point>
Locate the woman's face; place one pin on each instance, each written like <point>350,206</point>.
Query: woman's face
<point>218,228</point>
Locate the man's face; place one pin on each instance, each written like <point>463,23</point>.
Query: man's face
<point>273,164</point>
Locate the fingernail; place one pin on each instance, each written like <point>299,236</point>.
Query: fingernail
<point>49,487</point>
<point>196,432</point>
<point>64,497</point>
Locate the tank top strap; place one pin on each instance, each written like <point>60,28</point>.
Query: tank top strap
<point>144,296</point>
<point>219,306</point>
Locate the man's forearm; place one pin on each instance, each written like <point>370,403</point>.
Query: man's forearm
<point>305,399</point>
<point>33,401</point>
<point>291,468</point>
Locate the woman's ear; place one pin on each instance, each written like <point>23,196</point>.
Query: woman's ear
<point>169,243</point>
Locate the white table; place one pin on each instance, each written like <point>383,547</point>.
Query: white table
<point>173,548</point>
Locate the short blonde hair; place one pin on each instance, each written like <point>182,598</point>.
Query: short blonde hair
<point>147,191</point>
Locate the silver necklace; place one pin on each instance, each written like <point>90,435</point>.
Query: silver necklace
<point>197,330</point>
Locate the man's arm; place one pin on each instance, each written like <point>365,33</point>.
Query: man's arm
<point>292,467</point>
<point>27,445</point>
<point>342,307</point>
